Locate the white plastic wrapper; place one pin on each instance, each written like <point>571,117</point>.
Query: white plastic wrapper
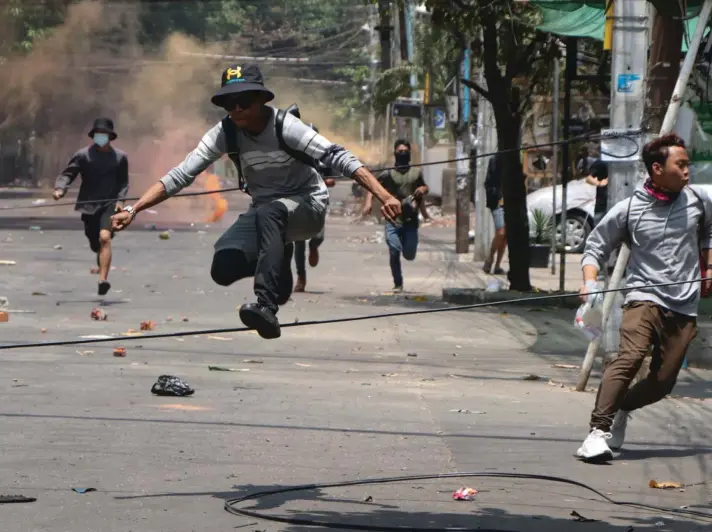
<point>589,317</point>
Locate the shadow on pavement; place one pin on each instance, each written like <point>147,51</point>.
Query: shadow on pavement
<point>394,511</point>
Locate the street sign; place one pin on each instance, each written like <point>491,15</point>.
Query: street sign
<point>439,119</point>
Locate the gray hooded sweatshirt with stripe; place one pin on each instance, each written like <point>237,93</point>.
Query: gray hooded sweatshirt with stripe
<point>270,173</point>
<point>664,239</point>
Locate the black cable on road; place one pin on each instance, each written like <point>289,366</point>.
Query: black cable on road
<point>231,505</point>
<point>346,319</point>
<point>374,170</point>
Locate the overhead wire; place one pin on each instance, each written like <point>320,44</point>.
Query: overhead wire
<point>345,319</point>
<point>596,136</point>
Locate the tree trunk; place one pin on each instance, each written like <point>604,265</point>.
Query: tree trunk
<point>514,192</point>
<point>664,66</point>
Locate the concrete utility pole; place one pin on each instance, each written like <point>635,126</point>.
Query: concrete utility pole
<point>486,143</point>
<point>623,88</point>
<point>462,149</point>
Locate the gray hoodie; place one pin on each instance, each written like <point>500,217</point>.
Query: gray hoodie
<point>664,243</point>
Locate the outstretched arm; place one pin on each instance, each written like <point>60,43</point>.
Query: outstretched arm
<point>298,136</point>
<point>209,150</point>
<point>68,175</point>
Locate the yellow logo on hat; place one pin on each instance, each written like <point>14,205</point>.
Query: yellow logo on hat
<point>233,72</point>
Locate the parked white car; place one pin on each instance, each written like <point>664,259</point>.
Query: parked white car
<point>581,200</point>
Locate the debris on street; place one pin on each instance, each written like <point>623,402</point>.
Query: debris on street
<point>7,262</point>
<point>98,314</point>
<point>464,494</point>
<point>168,385</point>
<point>224,368</point>
<point>148,325</point>
<point>120,352</point>
<point>4,316</point>
<point>664,485</point>
<point>165,235</point>
<point>575,516</point>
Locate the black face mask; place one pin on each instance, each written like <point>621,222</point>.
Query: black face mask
<point>403,158</point>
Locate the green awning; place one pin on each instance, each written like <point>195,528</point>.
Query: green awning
<point>571,19</point>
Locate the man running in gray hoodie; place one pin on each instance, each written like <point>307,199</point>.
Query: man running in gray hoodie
<point>667,224</point>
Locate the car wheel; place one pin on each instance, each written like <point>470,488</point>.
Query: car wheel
<point>577,231</point>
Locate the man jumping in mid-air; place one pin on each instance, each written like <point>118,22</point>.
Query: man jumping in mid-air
<point>276,154</point>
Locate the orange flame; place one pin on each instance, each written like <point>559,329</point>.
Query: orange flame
<point>212,182</point>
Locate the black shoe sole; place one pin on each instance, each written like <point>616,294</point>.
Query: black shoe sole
<point>104,288</point>
<point>253,320</point>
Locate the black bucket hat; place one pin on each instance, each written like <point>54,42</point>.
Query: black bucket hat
<point>240,78</point>
<point>103,124</point>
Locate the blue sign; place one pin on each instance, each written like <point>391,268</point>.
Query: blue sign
<point>627,82</point>
<point>439,119</point>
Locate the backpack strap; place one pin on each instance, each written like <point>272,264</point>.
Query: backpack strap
<point>230,130</point>
<point>299,156</point>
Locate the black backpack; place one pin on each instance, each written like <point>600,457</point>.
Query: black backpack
<point>230,130</point>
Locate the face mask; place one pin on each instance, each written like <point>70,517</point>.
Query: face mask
<point>101,139</point>
<point>403,158</point>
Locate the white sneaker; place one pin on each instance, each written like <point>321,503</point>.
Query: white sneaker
<point>618,430</point>
<point>595,446</point>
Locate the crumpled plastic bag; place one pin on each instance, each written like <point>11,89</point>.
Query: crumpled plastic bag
<point>171,386</point>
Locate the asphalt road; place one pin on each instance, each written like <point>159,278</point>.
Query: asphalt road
<point>435,393</point>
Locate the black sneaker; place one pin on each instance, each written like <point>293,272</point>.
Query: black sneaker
<point>104,287</point>
<point>262,319</point>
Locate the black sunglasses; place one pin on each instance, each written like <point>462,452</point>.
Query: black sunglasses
<point>242,100</point>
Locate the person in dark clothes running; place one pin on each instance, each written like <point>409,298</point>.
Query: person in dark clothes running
<point>300,251</point>
<point>274,152</point>
<point>105,183</point>
<point>598,177</point>
<point>407,184</point>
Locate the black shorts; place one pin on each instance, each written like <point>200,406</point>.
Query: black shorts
<point>94,223</point>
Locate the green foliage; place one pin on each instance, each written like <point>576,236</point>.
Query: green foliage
<point>23,22</point>
<point>543,227</point>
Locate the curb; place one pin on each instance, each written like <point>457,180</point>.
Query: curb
<point>472,296</point>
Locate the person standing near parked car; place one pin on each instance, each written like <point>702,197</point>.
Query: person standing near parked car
<point>598,177</point>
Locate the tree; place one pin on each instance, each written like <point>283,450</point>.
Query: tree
<point>514,57</point>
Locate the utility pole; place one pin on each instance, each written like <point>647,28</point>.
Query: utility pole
<point>373,49</point>
<point>624,41</point>
<point>408,12</point>
<point>462,149</point>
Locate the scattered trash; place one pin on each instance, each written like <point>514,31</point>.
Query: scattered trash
<point>83,490</point>
<point>184,319</point>
<point>148,325</point>
<point>581,519</point>
<point>302,365</point>
<point>120,352</point>
<point>368,498</point>
<point>57,246</point>
<point>389,374</point>
<point>419,299</point>
<point>39,202</point>
<point>4,302</point>
<point>565,366</point>
<point>412,354</point>
<point>224,368</point>
<point>165,235</point>
<point>222,338</point>
<point>85,353</point>
<point>531,377</point>
<point>39,294</point>
<point>664,485</point>
<point>660,523</point>
<point>95,337</point>
<point>4,316</point>
<point>44,330</point>
<point>170,385</point>
<point>98,314</point>
<point>251,361</point>
<point>464,494</point>
<point>465,411</point>
<point>7,262</point>
<point>35,228</point>
<point>7,499</point>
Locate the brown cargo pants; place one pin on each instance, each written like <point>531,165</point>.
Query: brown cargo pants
<point>645,324</point>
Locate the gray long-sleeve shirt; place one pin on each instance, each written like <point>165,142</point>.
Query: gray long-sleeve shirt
<point>105,175</point>
<point>269,172</point>
<point>664,245</point>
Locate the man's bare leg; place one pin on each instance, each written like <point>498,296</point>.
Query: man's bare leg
<point>104,260</point>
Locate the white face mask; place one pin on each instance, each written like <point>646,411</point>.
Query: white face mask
<point>101,139</point>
